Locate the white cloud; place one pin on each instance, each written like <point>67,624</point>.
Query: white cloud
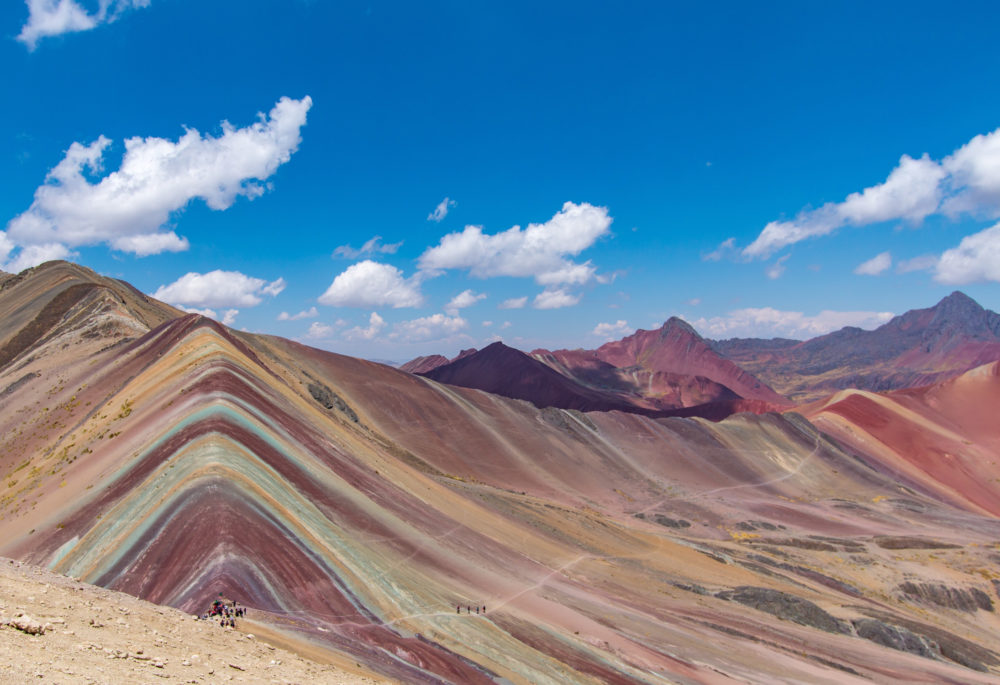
<point>371,284</point>
<point>777,269</point>
<point>54,17</point>
<point>204,311</point>
<point>371,247</point>
<point>464,299</point>
<point>128,208</point>
<point>33,255</point>
<point>229,317</point>
<point>977,258</point>
<point>694,301</point>
<point>428,328</point>
<point>612,331</point>
<point>505,325</point>
<point>554,299</point>
<point>6,246</point>
<point>540,251</point>
<point>921,263</point>
<point>150,243</point>
<point>441,211</point>
<point>874,266</point>
<point>767,322</point>
<point>911,192</point>
<point>965,182</point>
<point>310,313</point>
<point>514,303</point>
<point>487,324</point>
<point>319,331</point>
<point>218,289</point>
<point>974,175</point>
<point>375,325</point>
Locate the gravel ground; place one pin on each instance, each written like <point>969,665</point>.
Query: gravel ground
<point>92,635</point>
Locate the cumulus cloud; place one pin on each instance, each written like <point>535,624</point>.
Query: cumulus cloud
<point>375,325</point>
<point>612,331</point>
<point>428,328</point>
<point>371,247</point>
<point>218,289</point>
<point>128,209</point>
<point>965,182</point>
<point>441,211</point>
<point>150,243</point>
<point>977,258</point>
<point>514,303</point>
<point>554,299</point>
<point>372,284</point>
<point>875,266</point>
<point>541,251</point>
<point>229,317</point>
<point>310,313</point>
<point>33,255</point>
<point>48,18</point>
<point>319,331</point>
<point>464,299</point>
<point>767,322</point>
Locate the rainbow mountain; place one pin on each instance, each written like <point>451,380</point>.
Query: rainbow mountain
<point>363,513</point>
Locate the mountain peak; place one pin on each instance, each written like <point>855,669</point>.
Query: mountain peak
<point>677,323</point>
<point>957,303</point>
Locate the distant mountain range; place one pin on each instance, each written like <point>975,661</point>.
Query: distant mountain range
<point>673,371</point>
<point>920,347</point>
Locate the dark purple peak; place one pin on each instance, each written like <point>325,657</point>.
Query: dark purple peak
<point>465,353</point>
<point>957,306</point>
<point>492,350</point>
<point>959,313</point>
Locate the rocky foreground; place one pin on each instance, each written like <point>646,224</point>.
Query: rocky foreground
<point>54,629</point>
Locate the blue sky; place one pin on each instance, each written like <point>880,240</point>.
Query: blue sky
<point>759,169</point>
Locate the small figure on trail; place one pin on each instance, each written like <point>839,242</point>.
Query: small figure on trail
<point>458,608</point>
<point>477,609</point>
<point>468,609</point>
<point>484,608</point>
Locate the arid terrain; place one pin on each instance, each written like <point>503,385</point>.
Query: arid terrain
<point>92,635</point>
<point>364,514</point>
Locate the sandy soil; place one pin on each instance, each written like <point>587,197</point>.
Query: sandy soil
<point>95,635</point>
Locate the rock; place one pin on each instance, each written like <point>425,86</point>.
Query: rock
<point>960,599</point>
<point>906,542</point>
<point>785,606</point>
<point>894,637</point>
<point>330,400</point>
<point>28,625</point>
<point>671,523</point>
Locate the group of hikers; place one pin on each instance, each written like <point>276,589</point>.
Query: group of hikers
<point>469,609</point>
<point>226,611</point>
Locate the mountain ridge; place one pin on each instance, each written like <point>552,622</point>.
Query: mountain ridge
<point>918,347</point>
